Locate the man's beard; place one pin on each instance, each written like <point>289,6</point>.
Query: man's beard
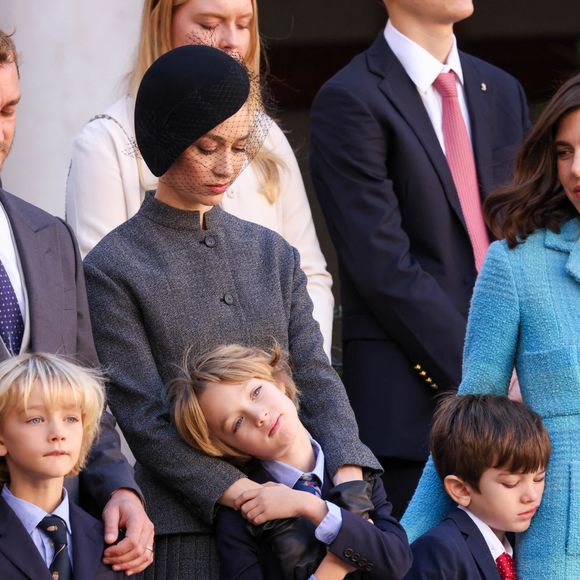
<point>4,152</point>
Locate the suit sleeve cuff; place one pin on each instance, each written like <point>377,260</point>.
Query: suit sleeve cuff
<point>329,527</point>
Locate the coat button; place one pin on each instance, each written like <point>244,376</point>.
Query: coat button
<point>228,299</point>
<point>355,557</point>
<point>362,562</point>
<point>348,552</point>
<point>369,567</point>
<point>209,241</point>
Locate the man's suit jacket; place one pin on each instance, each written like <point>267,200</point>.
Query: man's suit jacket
<point>453,550</point>
<point>21,560</point>
<point>376,551</point>
<point>406,263</point>
<point>60,324</point>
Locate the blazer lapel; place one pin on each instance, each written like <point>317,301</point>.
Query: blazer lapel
<point>37,246</point>
<point>88,543</point>
<point>403,95</point>
<point>476,544</point>
<point>17,546</point>
<point>478,95</point>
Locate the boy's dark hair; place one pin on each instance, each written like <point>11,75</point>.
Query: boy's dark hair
<point>8,52</point>
<point>472,433</point>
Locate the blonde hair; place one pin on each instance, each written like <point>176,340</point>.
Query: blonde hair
<point>230,363</point>
<point>59,380</point>
<point>155,40</point>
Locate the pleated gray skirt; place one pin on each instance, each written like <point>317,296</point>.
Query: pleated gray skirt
<point>183,557</point>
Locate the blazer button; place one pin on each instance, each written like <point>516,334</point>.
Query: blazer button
<point>369,567</point>
<point>348,552</point>
<point>209,241</point>
<point>355,557</point>
<point>362,562</point>
<point>228,299</point>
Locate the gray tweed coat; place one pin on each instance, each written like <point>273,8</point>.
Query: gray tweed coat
<point>158,284</point>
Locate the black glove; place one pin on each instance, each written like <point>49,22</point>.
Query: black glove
<point>294,545</point>
<point>354,496</point>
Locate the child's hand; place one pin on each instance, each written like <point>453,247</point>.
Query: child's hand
<point>273,501</point>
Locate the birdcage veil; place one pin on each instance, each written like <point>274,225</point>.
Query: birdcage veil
<point>199,108</point>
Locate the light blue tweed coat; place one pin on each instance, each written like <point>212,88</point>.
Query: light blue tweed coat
<point>526,311</point>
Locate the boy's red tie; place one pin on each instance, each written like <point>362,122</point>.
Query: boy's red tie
<point>506,567</point>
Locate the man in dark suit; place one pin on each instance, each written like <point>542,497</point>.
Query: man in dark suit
<point>382,168</point>
<point>40,265</point>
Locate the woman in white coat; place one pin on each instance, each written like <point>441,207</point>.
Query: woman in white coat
<point>107,180</point>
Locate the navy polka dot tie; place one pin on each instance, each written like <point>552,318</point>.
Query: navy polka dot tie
<point>309,483</point>
<point>55,528</point>
<point>11,322</point>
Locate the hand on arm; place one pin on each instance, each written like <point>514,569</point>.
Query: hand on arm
<point>134,552</point>
<point>274,501</point>
<point>232,495</point>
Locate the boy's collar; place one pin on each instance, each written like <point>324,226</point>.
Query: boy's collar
<point>288,475</point>
<point>31,515</point>
<point>495,545</point>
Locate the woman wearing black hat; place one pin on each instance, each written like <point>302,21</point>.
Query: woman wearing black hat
<point>182,272</point>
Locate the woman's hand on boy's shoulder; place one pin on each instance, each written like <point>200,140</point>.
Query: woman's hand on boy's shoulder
<point>273,501</point>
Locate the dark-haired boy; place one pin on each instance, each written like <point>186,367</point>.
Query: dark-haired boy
<point>491,455</point>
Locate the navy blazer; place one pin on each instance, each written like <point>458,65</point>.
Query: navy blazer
<point>21,560</point>
<point>379,551</point>
<point>453,550</point>
<point>60,324</point>
<point>406,263</point>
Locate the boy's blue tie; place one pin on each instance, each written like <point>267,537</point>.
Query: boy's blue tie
<point>11,323</point>
<point>310,483</point>
<point>55,528</point>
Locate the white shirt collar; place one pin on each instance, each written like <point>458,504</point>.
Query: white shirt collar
<point>496,547</point>
<point>289,475</point>
<point>421,66</point>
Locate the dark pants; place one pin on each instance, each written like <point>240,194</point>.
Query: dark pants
<point>400,478</point>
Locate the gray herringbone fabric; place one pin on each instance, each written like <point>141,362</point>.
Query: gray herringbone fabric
<point>158,284</point>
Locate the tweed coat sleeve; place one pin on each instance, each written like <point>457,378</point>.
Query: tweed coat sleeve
<point>488,361</point>
<point>107,468</point>
<point>136,395</point>
<point>325,409</point>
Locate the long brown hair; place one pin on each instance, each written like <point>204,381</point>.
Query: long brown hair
<point>535,198</point>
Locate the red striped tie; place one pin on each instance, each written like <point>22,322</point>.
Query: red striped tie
<point>461,162</point>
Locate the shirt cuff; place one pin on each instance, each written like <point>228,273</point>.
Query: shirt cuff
<point>329,527</point>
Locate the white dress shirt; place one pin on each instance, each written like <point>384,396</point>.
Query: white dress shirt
<point>423,68</point>
<point>495,545</point>
<point>9,259</point>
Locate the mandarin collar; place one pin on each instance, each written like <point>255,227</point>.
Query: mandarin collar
<point>179,219</point>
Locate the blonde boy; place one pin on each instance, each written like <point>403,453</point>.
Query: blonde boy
<point>49,417</point>
<point>240,403</point>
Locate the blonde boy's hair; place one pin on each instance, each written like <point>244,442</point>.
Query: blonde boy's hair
<point>230,363</point>
<point>59,380</point>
